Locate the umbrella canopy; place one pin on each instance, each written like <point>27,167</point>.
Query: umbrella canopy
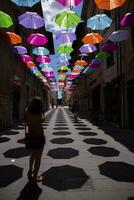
<point>26,58</point>
<point>99,22</point>
<point>65,37</point>
<point>31,20</point>
<point>44,59</point>
<point>30,64</point>
<point>102,55</point>
<point>69,2</point>
<point>80,63</point>
<point>109,46</point>
<point>25,3</point>
<point>19,50</point>
<point>40,51</point>
<point>67,19</point>
<point>63,63</point>
<point>88,48</point>
<point>92,38</point>
<point>5,20</point>
<point>109,4</point>
<point>63,68</point>
<point>96,61</point>
<point>118,36</point>
<point>37,39</point>
<point>88,70</point>
<point>64,49</point>
<point>128,20</point>
<point>13,38</point>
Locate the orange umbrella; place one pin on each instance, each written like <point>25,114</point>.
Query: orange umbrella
<point>76,71</point>
<point>62,73</point>
<point>13,38</point>
<point>30,64</point>
<point>109,4</point>
<point>92,38</point>
<point>80,63</point>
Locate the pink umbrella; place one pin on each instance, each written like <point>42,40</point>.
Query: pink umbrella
<point>26,58</point>
<point>37,39</point>
<point>128,20</point>
<point>69,2</point>
<point>44,59</point>
<point>109,46</point>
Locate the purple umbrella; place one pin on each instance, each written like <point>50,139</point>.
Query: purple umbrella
<point>37,39</point>
<point>65,37</point>
<point>128,20</point>
<point>88,48</point>
<point>63,63</point>
<point>31,20</point>
<point>118,36</point>
<point>19,50</point>
<point>69,2</point>
<point>92,66</point>
<point>109,46</point>
<point>96,61</point>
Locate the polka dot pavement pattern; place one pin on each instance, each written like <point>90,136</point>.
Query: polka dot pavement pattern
<point>78,169</point>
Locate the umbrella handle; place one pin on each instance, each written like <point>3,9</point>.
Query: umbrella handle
<point>71,7</point>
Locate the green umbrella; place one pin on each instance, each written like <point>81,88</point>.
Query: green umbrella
<point>67,19</point>
<point>62,67</point>
<point>103,55</point>
<point>5,20</point>
<point>64,49</point>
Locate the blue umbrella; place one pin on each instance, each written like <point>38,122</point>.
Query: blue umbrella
<point>99,22</point>
<point>40,51</point>
<point>25,3</point>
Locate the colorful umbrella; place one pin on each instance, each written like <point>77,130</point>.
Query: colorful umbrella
<point>63,63</point>
<point>118,36</point>
<point>88,48</point>
<point>26,58</point>
<point>92,38</point>
<point>62,67</point>
<point>13,38</point>
<point>5,20</point>
<point>40,51</point>
<point>96,61</point>
<point>44,59</point>
<point>109,4</point>
<point>64,49</point>
<point>109,46</point>
<point>99,22</point>
<point>88,70</point>
<point>69,2</point>
<point>19,50</point>
<point>102,55</point>
<point>65,37</point>
<point>67,19</point>
<point>128,20</point>
<point>37,39</point>
<point>30,64</point>
<point>25,3</point>
<point>31,20</point>
<point>80,63</point>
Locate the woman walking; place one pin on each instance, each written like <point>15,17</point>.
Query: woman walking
<point>35,138</point>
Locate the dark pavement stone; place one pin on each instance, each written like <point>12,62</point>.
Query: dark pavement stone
<point>94,141</point>
<point>63,153</point>
<point>21,141</point>
<point>65,177</point>
<point>61,128</point>
<point>9,174</point>
<point>104,151</point>
<point>17,153</point>
<point>11,132</point>
<point>87,133</point>
<point>4,139</point>
<point>62,140</point>
<point>60,124</point>
<point>119,171</point>
<point>61,133</point>
<point>83,128</point>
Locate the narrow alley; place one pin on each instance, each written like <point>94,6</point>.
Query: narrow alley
<point>80,161</point>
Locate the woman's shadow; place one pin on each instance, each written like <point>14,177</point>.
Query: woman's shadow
<point>30,191</point>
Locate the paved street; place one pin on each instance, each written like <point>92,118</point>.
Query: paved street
<point>80,161</point>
